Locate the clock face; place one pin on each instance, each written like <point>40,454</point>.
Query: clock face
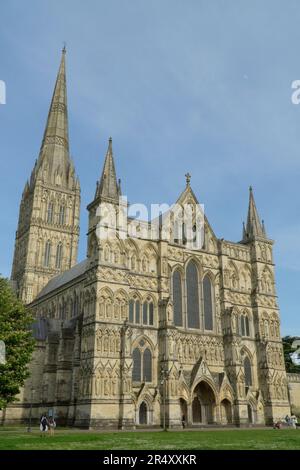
<point>2,352</point>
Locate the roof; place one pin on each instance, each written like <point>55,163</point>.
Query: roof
<point>64,278</point>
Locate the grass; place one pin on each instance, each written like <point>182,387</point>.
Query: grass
<point>12,438</point>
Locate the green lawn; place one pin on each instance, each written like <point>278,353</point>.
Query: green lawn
<point>17,439</point>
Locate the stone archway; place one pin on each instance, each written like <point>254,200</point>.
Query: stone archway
<point>226,411</point>
<point>143,413</point>
<point>203,405</point>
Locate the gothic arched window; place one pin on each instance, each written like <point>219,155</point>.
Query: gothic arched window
<point>134,311</point>
<point>247,372</point>
<point>61,215</point>
<point>58,256</point>
<point>50,213</point>
<point>137,365</point>
<point>195,238</point>
<point>137,311</point>
<point>142,363</point>
<point>177,298</point>
<point>266,328</point>
<point>147,366</point>
<point>63,309</point>
<point>245,325</point>
<point>47,254</point>
<point>208,303</point>
<point>192,290</point>
<point>151,313</point>
<point>148,311</point>
<point>131,310</point>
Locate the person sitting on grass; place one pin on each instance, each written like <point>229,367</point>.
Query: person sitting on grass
<point>277,424</point>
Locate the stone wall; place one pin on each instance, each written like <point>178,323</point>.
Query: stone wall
<point>294,392</point>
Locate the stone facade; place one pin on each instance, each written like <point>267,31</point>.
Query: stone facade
<point>294,392</point>
<point>150,330</point>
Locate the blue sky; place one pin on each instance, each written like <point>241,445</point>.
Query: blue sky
<point>190,85</point>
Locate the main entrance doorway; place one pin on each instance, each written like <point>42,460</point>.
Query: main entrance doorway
<point>203,405</point>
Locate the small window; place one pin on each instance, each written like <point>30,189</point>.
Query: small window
<point>131,310</point>
<point>145,313</point>
<point>243,325</point>
<point>247,326</point>
<point>134,311</point>
<point>58,259</point>
<point>50,213</point>
<point>61,215</point>
<point>247,372</point>
<point>47,254</point>
<point>137,311</point>
<point>151,313</point>
<point>148,312</point>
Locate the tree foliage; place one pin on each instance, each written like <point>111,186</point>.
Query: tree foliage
<point>15,332</point>
<point>287,342</point>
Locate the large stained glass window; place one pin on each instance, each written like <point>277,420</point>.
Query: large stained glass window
<point>207,303</point>
<point>192,291</point>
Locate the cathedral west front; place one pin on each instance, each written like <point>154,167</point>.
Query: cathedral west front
<point>151,328</point>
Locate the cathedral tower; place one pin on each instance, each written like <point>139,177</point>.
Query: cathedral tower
<point>107,210</point>
<point>269,352</point>
<point>48,228</point>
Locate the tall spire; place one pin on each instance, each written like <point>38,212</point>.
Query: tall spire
<point>108,186</point>
<point>254,227</point>
<point>54,158</point>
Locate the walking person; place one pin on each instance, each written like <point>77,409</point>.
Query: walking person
<point>52,425</point>
<point>294,421</point>
<point>43,424</point>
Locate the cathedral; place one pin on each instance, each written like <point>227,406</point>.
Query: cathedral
<point>147,330</point>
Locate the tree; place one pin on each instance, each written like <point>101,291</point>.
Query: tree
<point>287,342</point>
<point>15,321</point>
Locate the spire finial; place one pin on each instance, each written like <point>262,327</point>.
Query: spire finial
<point>108,186</point>
<point>254,228</point>
<point>55,144</point>
<point>109,150</point>
<point>187,178</point>
<point>64,49</point>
